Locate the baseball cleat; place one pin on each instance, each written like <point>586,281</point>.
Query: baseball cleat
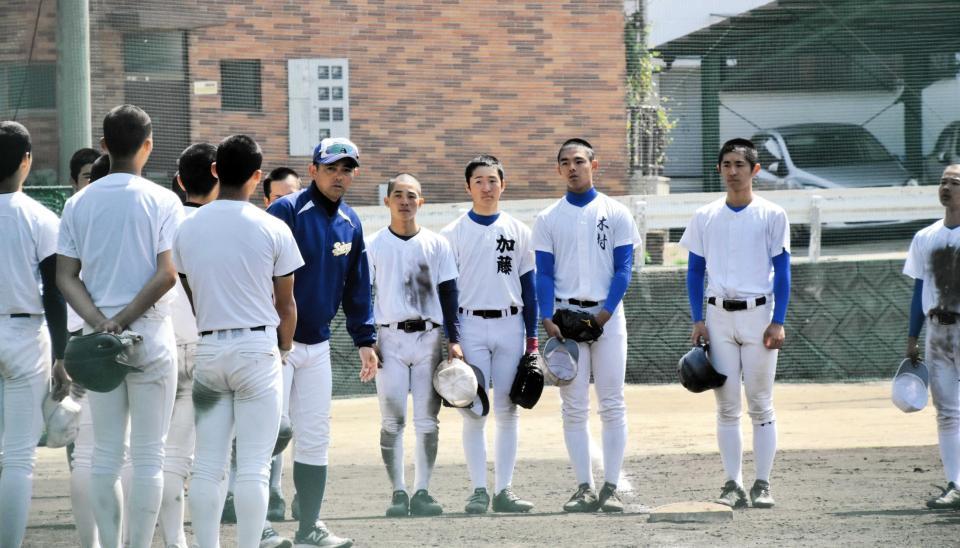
<point>422,504</point>
<point>760,496</point>
<point>229,514</point>
<point>732,495</point>
<point>276,507</point>
<point>271,539</point>
<point>506,501</point>
<point>584,500</point>
<point>949,499</point>
<point>609,500</point>
<point>319,535</point>
<point>478,502</point>
<point>399,505</point>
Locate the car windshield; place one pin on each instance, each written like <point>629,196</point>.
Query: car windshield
<point>835,147</point>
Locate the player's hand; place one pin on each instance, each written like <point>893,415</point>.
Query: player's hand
<point>603,317</point>
<point>284,354</point>
<point>699,333</point>
<point>368,363</point>
<point>773,336</point>
<point>108,326</point>
<point>454,351</point>
<point>552,329</point>
<point>913,350</point>
<point>60,381</point>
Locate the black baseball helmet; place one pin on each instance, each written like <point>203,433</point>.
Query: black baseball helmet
<point>97,361</point>
<point>697,373</point>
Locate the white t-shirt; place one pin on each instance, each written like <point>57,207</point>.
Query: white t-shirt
<point>116,228</point>
<point>582,240</point>
<point>491,260</point>
<point>739,246</point>
<point>406,274</point>
<point>230,251</point>
<point>29,235</point>
<point>934,257</point>
<point>184,322</point>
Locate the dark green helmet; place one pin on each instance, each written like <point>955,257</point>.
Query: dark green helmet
<point>98,361</point>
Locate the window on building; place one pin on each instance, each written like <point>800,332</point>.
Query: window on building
<point>240,85</point>
<point>319,102</point>
<point>28,85</point>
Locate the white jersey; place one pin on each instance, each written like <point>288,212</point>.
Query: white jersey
<point>29,236</point>
<point>230,251</point>
<point>405,275</point>
<point>184,321</point>
<point>738,246</point>
<point>934,257</point>
<point>491,260</point>
<point>582,240</point>
<point>116,228</point>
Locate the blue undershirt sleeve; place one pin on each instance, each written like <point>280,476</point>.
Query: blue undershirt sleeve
<point>916,309</point>
<point>622,270</point>
<point>449,295</point>
<point>696,274</point>
<point>545,288</point>
<point>528,293</point>
<point>781,286</point>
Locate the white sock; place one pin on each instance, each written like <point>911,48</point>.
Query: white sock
<point>425,459</point>
<point>506,448</point>
<point>106,497</point>
<point>614,444</point>
<point>16,486</point>
<point>950,455</point>
<point>250,499</point>
<point>80,502</point>
<point>764,448</point>
<point>578,448</point>
<point>126,479</point>
<point>171,510</point>
<point>276,473</point>
<point>144,505</point>
<point>475,449</point>
<point>206,505</point>
<point>731,451</point>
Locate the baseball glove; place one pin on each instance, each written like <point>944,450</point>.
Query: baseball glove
<point>579,326</point>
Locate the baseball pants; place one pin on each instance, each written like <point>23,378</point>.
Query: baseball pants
<point>141,408</point>
<point>24,380</point>
<point>311,393</point>
<point>943,360</point>
<point>606,359</point>
<point>409,360</point>
<point>737,351</point>
<point>179,450</point>
<point>494,346</point>
<point>237,388</point>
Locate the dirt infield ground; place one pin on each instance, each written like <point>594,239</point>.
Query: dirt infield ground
<point>852,470</point>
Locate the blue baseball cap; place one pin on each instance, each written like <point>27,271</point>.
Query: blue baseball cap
<point>333,149</point>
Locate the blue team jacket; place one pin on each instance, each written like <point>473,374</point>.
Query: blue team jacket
<point>336,268</point>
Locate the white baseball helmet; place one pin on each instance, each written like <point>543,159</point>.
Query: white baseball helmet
<point>455,382</point>
<point>62,419</point>
<point>910,386</point>
<point>561,361</point>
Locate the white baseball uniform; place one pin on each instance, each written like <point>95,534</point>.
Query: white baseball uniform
<point>29,236</point>
<point>491,260</point>
<point>934,257</point>
<point>738,247</point>
<point>582,240</point>
<point>116,229</point>
<point>237,378</point>
<point>405,274</point>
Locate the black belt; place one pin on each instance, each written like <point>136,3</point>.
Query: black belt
<point>21,315</point>
<point>411,326</point>
<point>578,302</point>
<point>733,306</point>
<point>944,317</point>
<point>257,328</point>
<point>489,314</point>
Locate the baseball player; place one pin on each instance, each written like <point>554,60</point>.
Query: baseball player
<point>80,165</point>
<point>200,187</point>
<point>497,305</point>
<point>242,291</point>
<point>280,182</point>
<point>584,253</point>
<point>118,234</point>
<point>330,237</point>
<point>28,248</point>
<point>743,242</point>
<point>934,262</point>
<point>414,275</point>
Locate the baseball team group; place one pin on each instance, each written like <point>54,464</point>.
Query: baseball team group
<point>184,341</point>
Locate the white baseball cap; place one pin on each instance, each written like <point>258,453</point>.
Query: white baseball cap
<point>910,386</point>
<point>561,359</point>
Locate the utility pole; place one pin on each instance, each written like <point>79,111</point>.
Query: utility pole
<point>73,80</point>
